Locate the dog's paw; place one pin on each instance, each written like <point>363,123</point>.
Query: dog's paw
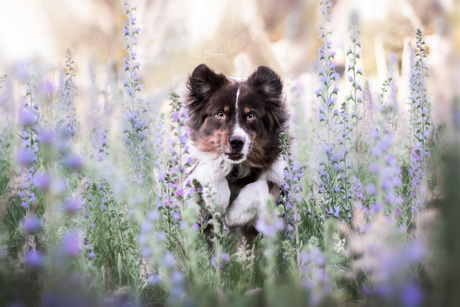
<point>248,205</point>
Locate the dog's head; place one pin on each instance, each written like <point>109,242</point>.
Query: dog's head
<point>240,120</point>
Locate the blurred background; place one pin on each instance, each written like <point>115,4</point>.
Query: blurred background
<point>233,37</point>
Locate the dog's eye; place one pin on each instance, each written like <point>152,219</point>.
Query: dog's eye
<point>251,116</point>
<point>220,115</point>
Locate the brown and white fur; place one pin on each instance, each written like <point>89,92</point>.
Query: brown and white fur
<point>234,132</point>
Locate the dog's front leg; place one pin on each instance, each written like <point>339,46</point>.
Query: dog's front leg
<point>219,194</point>
<point>216,192</point>
<point>248,204</point>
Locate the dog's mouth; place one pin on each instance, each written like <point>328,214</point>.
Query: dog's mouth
<point>234,156</point>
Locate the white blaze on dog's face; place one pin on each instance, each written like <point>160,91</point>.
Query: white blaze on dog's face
<point>239,120</point>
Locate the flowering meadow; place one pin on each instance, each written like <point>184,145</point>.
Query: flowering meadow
<point>96,208</point>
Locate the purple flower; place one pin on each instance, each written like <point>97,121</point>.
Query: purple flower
<point>225,257</point>
<point>269,230</point>
<point>153,215</point>
<point>73,162</point>
<point>153,279</point>
<point>58,186</point>
<point>146,227</point>
<point>180,193</point>
<point>146,251</point>
<point>47,88</point>
<point>371,190</point>
<point>73,205</point>
<point>34,259</point>
<point>374,168</point>
<point>183,139</point>
<point>331,101</point>
<point>168,260</point>
<point>415,251</point>
<point>160,237</point>
<point>31,224</point>
<point>376,208</point>
<point>25,157</point>
<point>26,117</point>
<point>41,181</point>
<point>177,277</point>
<point>336,211</point>
<point>71,244</point>
<point>411,295</point>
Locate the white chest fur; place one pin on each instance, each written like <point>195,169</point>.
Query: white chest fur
<point>210,170</point>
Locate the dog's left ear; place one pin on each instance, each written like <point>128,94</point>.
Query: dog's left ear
<point>265,82</point>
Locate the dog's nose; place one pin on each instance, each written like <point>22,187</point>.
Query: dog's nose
<point>236,143</point>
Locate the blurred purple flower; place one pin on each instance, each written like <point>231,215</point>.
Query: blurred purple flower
<point>73,205</point>
<point>180,193</point>
<point>41,181</point>
<point>25,157</point>
<point>46,136</point>
<point>415,251</point>
<point>411,296</point>
<point>47,88</point>
<point>168,260</point>
<point>176,216</point>
<point>270,228</point>
<point>146,251</point>
<point>225,257</point>
<point>73,162</point>
<point>153,279</point>
<point>34,259</point>
<point>177,277</point>
<point>153,215</point>
<point>31,224</point>
<point>371,190</point>
<point>71,244</point>
<point>58,185</point>
<point>146,227</point>
<point>26,117</point>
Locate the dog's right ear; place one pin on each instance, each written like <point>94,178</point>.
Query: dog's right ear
<point>202,83</point>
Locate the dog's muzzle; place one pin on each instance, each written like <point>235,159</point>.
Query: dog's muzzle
<point>236,146</point>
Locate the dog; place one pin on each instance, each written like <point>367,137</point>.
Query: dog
<point>235,147</point>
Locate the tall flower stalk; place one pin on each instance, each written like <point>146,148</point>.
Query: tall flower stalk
<point>393,90</point>
<point>176,189</point>
<point>28,155</point>
<point>343,168</point>
<point>353,69</point>
<point>5,110</point>
<point>70,126</point>
<point>327,187</point>
<point>421,125</point>
<point>136,112</point>
<point>387,172</point>
<point>349,126</point>
<point>328,77</point>
<point>180,159</point>
<point>292,191</point>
